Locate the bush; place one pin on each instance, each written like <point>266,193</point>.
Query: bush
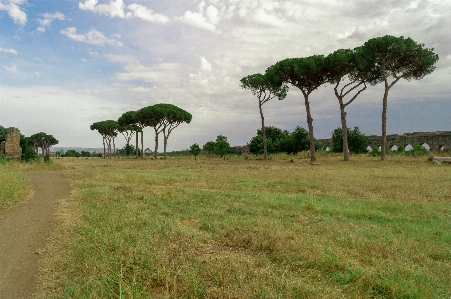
<point>375,151</point>
<point>357,141</point>
<point>417,151</point>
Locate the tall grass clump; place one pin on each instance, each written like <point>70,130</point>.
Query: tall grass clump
<point>254,229</point>
<point>14,186</point>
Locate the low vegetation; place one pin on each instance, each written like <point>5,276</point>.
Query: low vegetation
<point>236,228</point>
<point>14,187</point>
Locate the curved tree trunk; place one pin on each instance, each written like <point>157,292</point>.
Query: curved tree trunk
<point>265,146</point>
<point>310,129</point>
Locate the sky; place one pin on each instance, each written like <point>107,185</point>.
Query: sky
<point>66,64</point>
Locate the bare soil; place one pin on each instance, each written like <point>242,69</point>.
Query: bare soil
<point>24,230</point>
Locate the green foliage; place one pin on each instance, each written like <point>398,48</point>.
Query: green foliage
<point>194,150</point>
<point>280,141</point>
<point>28,153</point>
<point>128,150</point>
<point>417,151</point>
<point>210,148</point>
<point>400,149</point>
<point>375,151</point>
<point>47,158</point>
<point>222,148</point>
<point>85,154</point>
<point>3,134</point>
<point>357,141</point>
<point>4,160</point>
<point>72,153</point>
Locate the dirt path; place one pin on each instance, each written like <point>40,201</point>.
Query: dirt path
<point>24,229</point>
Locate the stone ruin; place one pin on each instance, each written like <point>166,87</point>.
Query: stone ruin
<point>438,141</point>
<point>11,148</point>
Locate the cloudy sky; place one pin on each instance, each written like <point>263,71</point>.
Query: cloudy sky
<point>65,64</point>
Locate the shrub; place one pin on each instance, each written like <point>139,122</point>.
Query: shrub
<point>4,160</point>
<point>375,151</point>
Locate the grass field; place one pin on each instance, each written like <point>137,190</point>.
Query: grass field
<point>253,229</point>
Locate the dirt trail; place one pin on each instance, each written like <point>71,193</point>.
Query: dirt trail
<point>24,229</point>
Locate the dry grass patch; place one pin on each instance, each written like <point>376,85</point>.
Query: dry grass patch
<point>256,229</point>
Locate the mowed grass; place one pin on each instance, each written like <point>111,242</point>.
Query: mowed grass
<point>254,229</point>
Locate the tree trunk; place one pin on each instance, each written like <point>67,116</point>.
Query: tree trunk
<point>155,154</point>
<point>384,120</point>
<point>344,131</point>
<point>265,146</point>
<point>137,147</point>
<point>142,144</point>
<point>114,149</point>
<point>310,129</point>
<point>104,149</point>
<point>165,145</point>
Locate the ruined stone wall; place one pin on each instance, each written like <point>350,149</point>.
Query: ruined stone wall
<point>12,145</point>
<point>2,148</point>
<point>436,140</point>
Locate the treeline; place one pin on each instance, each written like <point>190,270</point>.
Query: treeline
<point>384,59</point>
<point>163,118</point>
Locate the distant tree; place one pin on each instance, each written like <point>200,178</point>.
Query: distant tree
<point>396,58</point>
<point>222,148</point>
<point>194,150</point>
<point>108,130</point>
<point>210,148</point>
<point>343,67</point>
<point>43,141</point>
<point>127,131</point>
<point>28,152</point>
<point>3,134</point>
<point>357,141</point>
<point>85,154</point>
<point>296,141</point>
<point>130,119</point>
<point>307,74</point>
<point>273,141</point>
<point>221,137</point>
<point>265,91</point>
<point>148,152</point>
<point>153,117</point>
<point>165,117</point>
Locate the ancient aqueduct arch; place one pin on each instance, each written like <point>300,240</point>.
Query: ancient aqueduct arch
<point>437,141</point>
<point>11,148</point>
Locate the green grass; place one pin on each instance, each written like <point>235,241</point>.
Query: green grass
<point>254,229</point>
<point>14,186</point>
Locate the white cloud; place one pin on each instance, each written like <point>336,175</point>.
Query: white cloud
<point>14,11</point>
<point>93,37</point>
<point>11,69</point>
<point>146,14</point>
<point>48,19</point>
<point>113,9</point>
<point>205,65</point>
<point>204,19</point>
<point>158,74</point>
<point>12,51</point>
<point>37,74</point>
